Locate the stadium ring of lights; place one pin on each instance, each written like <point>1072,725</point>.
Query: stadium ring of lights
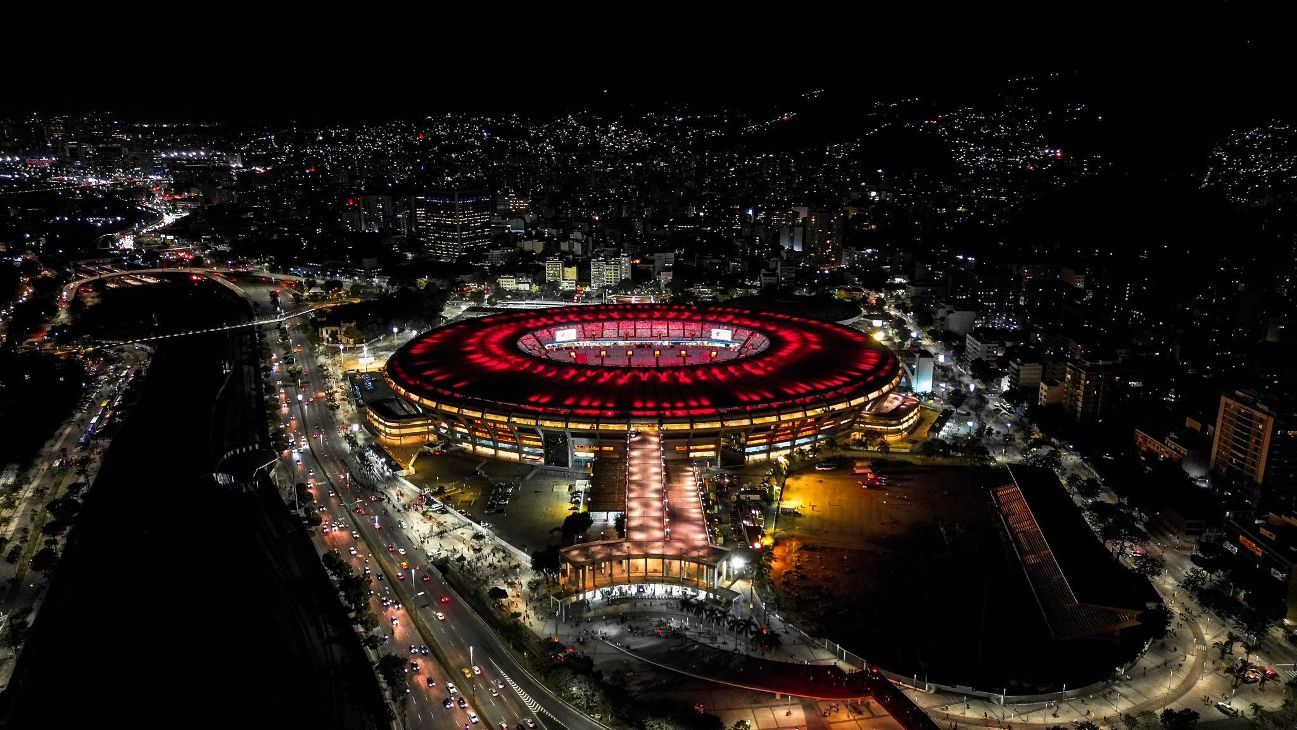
<point>560,385</point>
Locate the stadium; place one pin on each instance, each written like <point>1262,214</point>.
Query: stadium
<point>563,386</point>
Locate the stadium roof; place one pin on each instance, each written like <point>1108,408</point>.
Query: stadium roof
<point>479,364</point>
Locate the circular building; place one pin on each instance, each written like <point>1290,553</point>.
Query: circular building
<point>560,386</point>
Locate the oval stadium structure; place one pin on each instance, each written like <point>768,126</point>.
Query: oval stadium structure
<point>560,386</point>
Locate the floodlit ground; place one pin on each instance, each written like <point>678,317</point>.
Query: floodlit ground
<point>913,576</point>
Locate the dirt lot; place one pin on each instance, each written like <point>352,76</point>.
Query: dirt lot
<point>913,575</point>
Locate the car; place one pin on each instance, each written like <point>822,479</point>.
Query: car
<point>414,666</point>
<point>530,722</point>
<point>400,577</point>
<point>1227,709</point>
<point>414,649</point>
<point>472,717</point>
<point>430,682</point>
<point>355,535</point>
<point>405,565</point>
<point>825,466</point>
<point>477,669</point>
<point>495,691</point>
<point>451,688</point>
<point>446,599</point>
<point>426,579</point>
<point>394,622</point>
<point>401,550</point>
<point>352,549</point>
<point>467,674</point>
<point>391,548</point>
<point>441,616</point>
<point>463,703</point>
<point>424,650</point>
<point>447,703</point>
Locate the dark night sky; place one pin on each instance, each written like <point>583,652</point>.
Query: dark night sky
<point>389,63</point>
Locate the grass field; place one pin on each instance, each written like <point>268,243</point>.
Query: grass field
<point>914,576</point>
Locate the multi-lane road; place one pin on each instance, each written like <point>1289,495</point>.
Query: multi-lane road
<point>431,614</point>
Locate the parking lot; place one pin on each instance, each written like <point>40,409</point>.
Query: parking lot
<point>523,510</point>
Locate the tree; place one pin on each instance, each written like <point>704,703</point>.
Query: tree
<point>934,447</point>
<point>44,559</point>
<point>1140,721</point>
<point>497,594</point>
<point>1226,646</point>
<point>367,621</point>
<point>1151,565</point>
<point>871,440</point>
<point>1158,621</point>
<point>392,669</point>
<point>576,524</point>
<point>355,591</point>
<point>1184,718</point>
<point>1193,580</point>
<point>1089,488</point>
<point>546,561</point>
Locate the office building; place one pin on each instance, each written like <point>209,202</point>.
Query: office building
<point>453,223</point>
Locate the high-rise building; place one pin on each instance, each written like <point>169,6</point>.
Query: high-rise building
<point>453,223</point>
<point>1089,390</point>
<point>1256,442</point>
<point>375,213</point>
<point>609,270</point>
<point>510,204</point>
<point>553,270</point>
<point>823,230</point>
<point>924,363</point>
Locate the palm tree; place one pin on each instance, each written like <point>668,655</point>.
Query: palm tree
<point>1248,648</point>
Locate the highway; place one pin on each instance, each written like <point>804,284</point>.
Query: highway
<point>461,633</point>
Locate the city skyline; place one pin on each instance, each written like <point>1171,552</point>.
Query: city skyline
<point>806,369</point>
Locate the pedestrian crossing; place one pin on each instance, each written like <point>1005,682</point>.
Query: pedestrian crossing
<point>531,704</point>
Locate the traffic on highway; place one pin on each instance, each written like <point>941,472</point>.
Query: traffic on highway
<point>454,674</point>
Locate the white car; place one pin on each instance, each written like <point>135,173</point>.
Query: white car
<point>401,551</point>
<point>441,616</point>
<point>451,688</point>
<point>472,717</point>
<point>477,669</point>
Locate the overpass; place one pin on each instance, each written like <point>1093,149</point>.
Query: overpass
<point>217,274</point>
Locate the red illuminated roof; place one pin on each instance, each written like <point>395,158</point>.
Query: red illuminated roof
<point>480,364</point>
